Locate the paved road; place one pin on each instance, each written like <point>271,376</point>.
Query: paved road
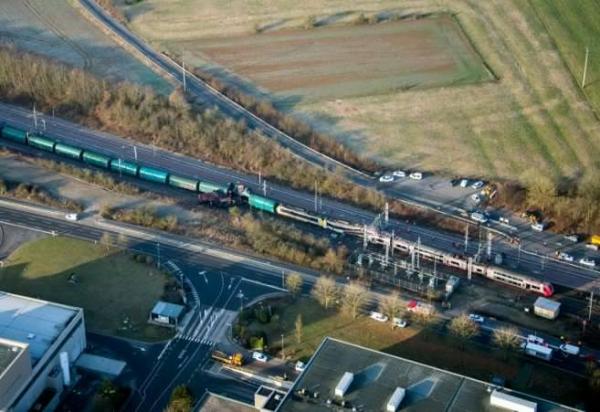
<point>540,265</point>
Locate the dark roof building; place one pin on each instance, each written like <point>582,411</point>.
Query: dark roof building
<point>343,376</point>
<point>167,314</point>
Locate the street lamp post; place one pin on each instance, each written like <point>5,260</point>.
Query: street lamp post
<point>282,348</point>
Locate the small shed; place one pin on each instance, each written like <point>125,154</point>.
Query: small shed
<point>166,314</point>
<point>546,308</point>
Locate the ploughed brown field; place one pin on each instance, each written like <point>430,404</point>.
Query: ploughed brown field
<point>334,62</point>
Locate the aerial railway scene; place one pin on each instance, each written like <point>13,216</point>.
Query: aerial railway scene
<point>285,206</point>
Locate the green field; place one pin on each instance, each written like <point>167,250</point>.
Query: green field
<point>115,292</point>
<point>412,343</point>
<point>575,25</point>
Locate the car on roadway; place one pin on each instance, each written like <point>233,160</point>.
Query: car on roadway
<point>478,184</point>
<point>401,323</point>
<point>300,366</point>
<point>416,176</point>
<point>379,317</point>
<point>565,256</point>
<point>464,183</point>
<point>260,357</point>
<point>592,246</point>
<point>399,173</point>
<point>476,198</point>
<point>589,262</point>
<point>572,238</point>
<point>569,349</point>
<point>535,339</point>
<point>504,220</point>
<point>386,179</point>
<point>73,217</point>
<point>479,217</point>
<point>476,318</point>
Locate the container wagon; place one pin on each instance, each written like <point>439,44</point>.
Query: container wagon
<point>183,183</point>
<point>68,151</point>
<point>41,143</point>
<point>262,203</point>
<point>96,159</point>
<point>153,175</point>
<point>122,166</point>
<point>16,135</point>
<point>207,187</point>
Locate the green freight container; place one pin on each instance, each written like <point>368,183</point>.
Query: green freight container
<point>122,166</point>
<point>262,203</point>
<point>183,183</point>
<point>206,187</point>
<point>96,159</point>
<point>13,134</point>
<point>153,175</point>
<point>41,143</point>
<point>67,150</point>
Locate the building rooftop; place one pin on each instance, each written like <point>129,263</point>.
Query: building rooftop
<point>8,353</point>
<point>167,309</point>
<point>376,375</point>
<point>35,322</point>
<point>217,403</point>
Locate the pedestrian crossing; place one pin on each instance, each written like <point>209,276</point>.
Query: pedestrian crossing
<point>198,339</point>
<point>205,326</point>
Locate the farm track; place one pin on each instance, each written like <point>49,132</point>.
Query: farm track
<point>54,28</point>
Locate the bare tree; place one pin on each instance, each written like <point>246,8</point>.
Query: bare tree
<point>299,328</point>
<point>463,328</point>
<point>506,338</point>
<point>325,291</point>
<point>354,298</point>
<point>122,240</point>
<point>391,305</point>
<point>107,241</point>
<point>293,283</point>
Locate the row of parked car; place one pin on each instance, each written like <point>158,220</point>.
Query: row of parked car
<point>400,174</point>
<point>380,317</point>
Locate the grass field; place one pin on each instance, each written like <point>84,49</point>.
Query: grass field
<point>412,343</point>
<point>55,29</point>
<point>575,25</point>
<point>533,118</point>
<point>110,286</point>
<point>346,61</point>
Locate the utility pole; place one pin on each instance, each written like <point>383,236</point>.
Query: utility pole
<point>283,278</point>
<point>585,66</point>
<point>135,153</point>
<point>259,177</point>
<point>466,237</point>
<point>183,74</point>
<point>418,251</point>
<point>158,254</point>
<point>469,267</point>
<point>34,118</point>
<point>264,188</point>
<point>489,244</point>
<point>591,304</point>
<point>282,349</point>
<point>386,213</point>
<point>365,238</point>
<point>519,255</point>
<point>316,196</point>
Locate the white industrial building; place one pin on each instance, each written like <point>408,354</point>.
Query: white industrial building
<point>39,343</point>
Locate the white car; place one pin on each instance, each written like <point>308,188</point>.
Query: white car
<point>569,349</point>
<point>566,257</point>
<point>399,173</point>
<point>479,217</point>
<point>300,366</point>
<point>73,217</point>
<point>535,339</point>
<point>401,323</point>
<point>592,246</point>
<point>588,262</point>
<point>572,238</point>
<point>476,198</point>
<point>416,175</point>
<point>379,317</point>
<point>477,185</point>
<point>386,179</point>
<point>259,356</point>
<point>538,227</point>
<point>476,318</point>
<point>464,183</point>
<point>504,220</point>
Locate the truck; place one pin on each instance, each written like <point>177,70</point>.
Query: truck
<point>595,240</point>
<point>235,359</point>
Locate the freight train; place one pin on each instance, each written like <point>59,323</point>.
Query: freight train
<point>214,193</point>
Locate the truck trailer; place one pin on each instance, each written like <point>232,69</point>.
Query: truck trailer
<point>236,359</point>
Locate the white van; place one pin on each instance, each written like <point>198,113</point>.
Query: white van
<point>569,349</point>
<point>538,227</point>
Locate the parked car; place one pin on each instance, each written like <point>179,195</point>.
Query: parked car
<point>416,175</point>
<point>566,257</point>
<point>592,246</point>
<point>300,366</point>
<point>386,179</point>
<point>479,217</point>
<point>399,173</point>
<point>73,217</point>
<point>476,318</point>
<point>538,227</point>
<point>379,317</point>
<point>535,339</point>
<point>569,349</point>
<point>401,323</point>
<point>476,198</point>
<point>504,220</point>
<point>464,183</point>
<point>588,262</point>
<point>259,356</point>
<point>573,238</point>
<point>455,182</point>
<point>478,184</point>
